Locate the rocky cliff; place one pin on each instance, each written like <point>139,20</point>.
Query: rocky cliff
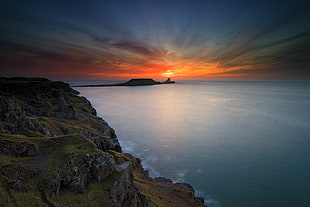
<point>55,151</point>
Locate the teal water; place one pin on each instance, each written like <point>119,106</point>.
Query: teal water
<point>238,143</point>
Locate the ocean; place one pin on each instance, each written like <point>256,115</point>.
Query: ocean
<point>238,143</point>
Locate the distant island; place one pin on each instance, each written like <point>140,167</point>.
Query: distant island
<point>133,82</point>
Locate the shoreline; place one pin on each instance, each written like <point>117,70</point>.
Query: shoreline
<point>62,129</point>
<point>152,170</point>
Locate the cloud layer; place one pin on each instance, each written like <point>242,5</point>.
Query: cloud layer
<point>188,39</point>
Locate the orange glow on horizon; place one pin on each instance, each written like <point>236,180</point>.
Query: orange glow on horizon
<point>176,70</point>
<point>185,71</point>
<point>169,65</point>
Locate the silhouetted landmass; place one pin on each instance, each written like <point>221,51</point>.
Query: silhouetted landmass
<point>133,82</point>
<point>139,82</point>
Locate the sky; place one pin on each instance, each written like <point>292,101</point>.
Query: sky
<point>199,39</point>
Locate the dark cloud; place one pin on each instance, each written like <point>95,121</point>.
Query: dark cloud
<point>265,31</point>
<point>247,45</point>
<point>305,34</point>
<point>290,51</point>
<point>139,48</point>
<point>25,51</point>
<point>102,39</point>
<point>136,48</point>
<point>282,72</point>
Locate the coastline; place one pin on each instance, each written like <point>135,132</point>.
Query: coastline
<point>73,122</point>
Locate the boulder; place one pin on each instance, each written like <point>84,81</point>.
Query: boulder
<point>19,187</point>
<point>77,176</point>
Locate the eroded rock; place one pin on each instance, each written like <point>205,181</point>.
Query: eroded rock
<point>19,187</point>
<point>124,188</point>
<point>19,149</point>
<point>77,175</point>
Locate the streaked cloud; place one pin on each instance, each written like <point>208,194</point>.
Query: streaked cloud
<point>189,39</point>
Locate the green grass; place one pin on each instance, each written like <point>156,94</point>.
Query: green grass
<point>59,150</point>
<point>97,194</point>
<point>58,125</point>
<point>64,147</point>
<point>29,133</point>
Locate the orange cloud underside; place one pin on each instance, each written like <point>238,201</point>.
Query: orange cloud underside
<point>171,63</point>
<point>164,66</point>
<point>176,69</point>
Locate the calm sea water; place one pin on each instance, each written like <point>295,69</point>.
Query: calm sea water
<point>238,143</point>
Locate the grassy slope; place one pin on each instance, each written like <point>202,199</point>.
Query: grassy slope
<point>54,152</point>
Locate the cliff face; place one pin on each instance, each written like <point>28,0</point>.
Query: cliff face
<point>55,151</point>
<point>38,107</point>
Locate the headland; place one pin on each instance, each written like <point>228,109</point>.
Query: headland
<point>133,82</point>
<point>56,151</point>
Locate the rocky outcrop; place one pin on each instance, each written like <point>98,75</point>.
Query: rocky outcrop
<point>35,96</point>
<point>168,81</point>
<point>27,104</point>
<point>19,149</point>
<point>198,200</point>
<point>56,149</point>
<point>160,191</point>
<point>19,187</point>
<point>106,140</point>
<point>77,175</point>
<point>125,191</point>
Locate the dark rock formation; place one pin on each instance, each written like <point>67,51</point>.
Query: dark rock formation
<point>124,188</point>
<point>19,187</point>
<point>168,81</point>
<point>19,149</point>
<point>54,146</point>
<point>24,102</point>
<point>35,97</point>
<point>160,190</point>
<point>133,82</point>
<point>76,176</point>
<point>139,82</point>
